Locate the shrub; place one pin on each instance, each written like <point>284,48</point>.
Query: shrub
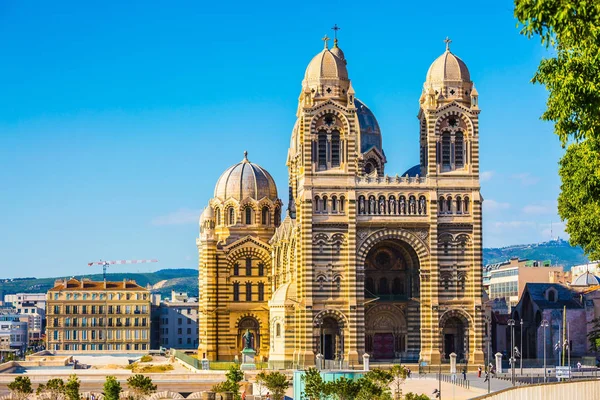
<point>20,388</point>
<point>112,388</point>
<point>276,382</point>
<point>146,358</point>
<point>141,386</point>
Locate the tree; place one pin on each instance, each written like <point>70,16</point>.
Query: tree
<point>342,389</point>
<point>594,335</point>
<point>276,382</point>
<point>112,388</point>
<point>313,384</point>
<point>141,386</point>
<point>20,388</point>
<point>52,390</point>
<point>414,396</point>
<point>234,376</point>
<point>399,374</point>
<point>572,77</point>
<point>72,388</point>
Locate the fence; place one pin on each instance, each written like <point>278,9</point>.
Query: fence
<point>589,389</point>
<point>455,380</point>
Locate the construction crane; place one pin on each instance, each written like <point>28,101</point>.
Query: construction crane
<point>105,264</point>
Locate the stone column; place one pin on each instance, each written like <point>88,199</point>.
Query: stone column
<point>320,363</point>
<point>498,362</point>
<point>453,363</point>
<point>366,362</point>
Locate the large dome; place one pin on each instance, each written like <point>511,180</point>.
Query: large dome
<point>448,67</point>
<point>244,180</point>
<point>370,134</point>
<point>326,65</point>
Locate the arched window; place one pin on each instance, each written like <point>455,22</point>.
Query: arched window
<point>458,205</point>
<point>338,283</point>
<point>324,207</point>
<point>334,203</point>
<point>248,212</point>
<point>342,204</point>
<point>236,291</point>
<point>321,281</point>
<point>248,291</point>
<point>261,269</point>
<point>231,216</point>
<point>277,217</point>
<point>442,204</point>
<point>446,151</point>
<point>369,285</point>
<point>449,205</point>
<point>335,149</point>
<point>261,291</point>
<point>551,295</point>
<point>466,205</point>
<point>317,204</point>
<point>248,266</point>
<point>265,215</point>
<point>322,151</point>
<point>236,269</point>
<point>459,150</point>
<point>218,212</point>
<point>278,330</point>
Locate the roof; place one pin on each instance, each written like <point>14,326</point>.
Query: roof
<point>565,296</point>
<point>448,67</point>
<point>85,284</point>
<point>370,134</point>
<point>586,279</point>
<point>246,180</point>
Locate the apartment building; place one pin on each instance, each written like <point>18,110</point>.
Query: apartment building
<point>178,321</point>
<point>85,315</point>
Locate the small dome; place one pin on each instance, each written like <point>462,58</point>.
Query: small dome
<point>586,279</point>
<point>448,67</point>
<point>244,180</point>
<point>327,65</point>
<point>337,51</point>
<point>413,171</point>
<point>370,134</point>
<point>208,213</point>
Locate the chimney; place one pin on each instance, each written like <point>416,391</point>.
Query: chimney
<point>125,283</point>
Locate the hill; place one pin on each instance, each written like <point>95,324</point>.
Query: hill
<point>162,281</point>
<point>560,252</point>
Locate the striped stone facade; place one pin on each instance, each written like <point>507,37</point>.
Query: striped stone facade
<point>365,262</point>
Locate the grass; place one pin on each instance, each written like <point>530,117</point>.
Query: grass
<point>151,368</point>
<point>146,358</point>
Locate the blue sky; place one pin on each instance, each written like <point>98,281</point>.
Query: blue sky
<point>117,118</point>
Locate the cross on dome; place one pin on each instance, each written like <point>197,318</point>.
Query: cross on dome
<point>325,39</point>
<point>245,155</point>
<point>335,31</point>
<point>447,41</point>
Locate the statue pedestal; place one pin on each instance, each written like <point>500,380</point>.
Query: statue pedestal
<point>248,359</point>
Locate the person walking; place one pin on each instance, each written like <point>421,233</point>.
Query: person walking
<point>487,377</point>
<point>479,372</point>
<point>464,372</point>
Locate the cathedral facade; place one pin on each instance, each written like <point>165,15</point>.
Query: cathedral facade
<point>363,261</point>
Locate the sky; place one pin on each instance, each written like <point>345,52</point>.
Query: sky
<point>117,118</point>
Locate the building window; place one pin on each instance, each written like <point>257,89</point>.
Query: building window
<point>248,266</point>
<point>265,216</point>
<point>261,269</point>
<point>278,330</point>
<point>236,291</point>
<point>231,216</point>
<point>248,291</point>
<point>261,291</point>
<point>446,150</point>
<point>322,150</point>
<point>459,151</point>
<point>248,212</point>
<point>333,203</point>
<point>277,217</point>
<point>335,149</point>
<point>236,269</point>
<point>218,212</point>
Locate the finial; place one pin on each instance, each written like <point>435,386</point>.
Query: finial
<point>335,30</point>
<point>325,39</point>
<point>447,41</point>
<point>245,155</point>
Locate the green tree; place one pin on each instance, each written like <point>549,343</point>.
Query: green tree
<point>572,77</point>
<point>276,382</point>
<point>20,388</point>
<point>52,390</point>
<point>141,386</point>
<point>594,335</point>
<point>414,396</point>
<point>234,376</point>
<point>313,384</point>
<point>72,388</point>
<point>112,388</point>
<point>399,374</point>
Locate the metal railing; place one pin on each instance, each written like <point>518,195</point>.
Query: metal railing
<point>455,380</point>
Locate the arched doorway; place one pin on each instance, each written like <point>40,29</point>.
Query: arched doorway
<point>391,291</point>
<point>455,336</point>
<point>329,338</point>
<point>249,323</point>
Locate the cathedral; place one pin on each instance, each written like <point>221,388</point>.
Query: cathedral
<point>362,261</point>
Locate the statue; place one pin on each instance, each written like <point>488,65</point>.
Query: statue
<point>381,206</point>
<point>412,206</point>
<point>372,203</point>
<point>392,206</point>
<point>422,209</point>
<point>248,336</point>
<point>402,206</point>
<point>361,206</point>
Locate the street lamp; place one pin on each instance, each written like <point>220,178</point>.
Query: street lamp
<point>522,348</point>
<point>488,339</point>
<point>544,325</point>
<point>511,323</point>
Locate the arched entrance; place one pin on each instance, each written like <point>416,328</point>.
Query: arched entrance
<point>454,328</point>
<point>249,323</point>
<point>391,291</point>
